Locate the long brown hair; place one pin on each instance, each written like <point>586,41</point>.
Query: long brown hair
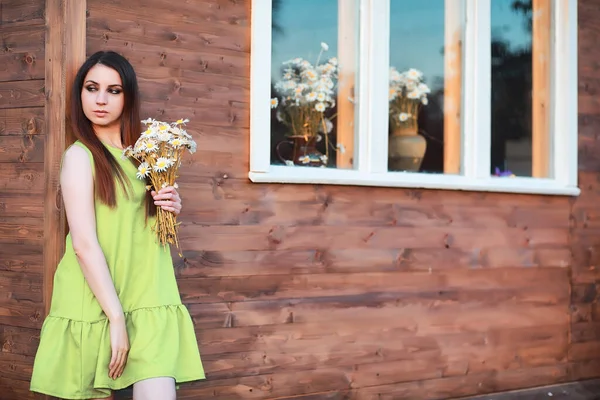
<point>106,166</point>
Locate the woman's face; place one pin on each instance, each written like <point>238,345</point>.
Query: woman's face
<point>102,96</point>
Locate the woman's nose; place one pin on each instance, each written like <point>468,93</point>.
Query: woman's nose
<point>101,98</point>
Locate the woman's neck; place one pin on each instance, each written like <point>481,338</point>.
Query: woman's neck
<point>109,135</point>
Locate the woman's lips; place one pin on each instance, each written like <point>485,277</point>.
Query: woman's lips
<point>100,113</point>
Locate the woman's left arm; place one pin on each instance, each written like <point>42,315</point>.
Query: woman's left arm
<point>168,198</point>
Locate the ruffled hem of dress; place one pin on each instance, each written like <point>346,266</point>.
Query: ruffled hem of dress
<point>73,356</point>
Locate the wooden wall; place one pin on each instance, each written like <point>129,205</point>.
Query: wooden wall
<point>314,292</point>
<point>344,292</point>
<point>22,137</point>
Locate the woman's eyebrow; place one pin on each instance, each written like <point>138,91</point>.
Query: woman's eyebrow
<point>96,83</point>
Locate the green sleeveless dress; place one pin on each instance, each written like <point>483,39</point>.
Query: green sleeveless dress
<point>74,352</point>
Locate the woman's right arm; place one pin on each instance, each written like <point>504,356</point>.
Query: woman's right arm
<point>77,186</point>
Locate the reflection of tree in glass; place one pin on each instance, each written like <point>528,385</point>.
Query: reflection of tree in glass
<point>276,28</point>
<point>511,88</point>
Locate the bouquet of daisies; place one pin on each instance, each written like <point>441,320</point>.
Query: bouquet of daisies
<point>159,151</point>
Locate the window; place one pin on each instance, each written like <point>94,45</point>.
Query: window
<point>447,94</point>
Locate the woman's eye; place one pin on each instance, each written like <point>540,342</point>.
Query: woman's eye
<point>115,91</point>
<point>90,88</point>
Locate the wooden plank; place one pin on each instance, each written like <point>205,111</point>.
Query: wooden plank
<point>15,149</point>
<point>21,304</point>
<point>22,94</point>
<point>585,332</point>
<point>160,97</point>
<point>65,52</point>
<point>236,238</point>
<point>467,385</point>
<point>316,261</point>
<point>378,355</point>
<point>18,205</point>
<point>266,211</point>
<point>148,55</point>
<point>222,185</point>
<point>18,389</point>
<point>426,314</point>
<point>541,91</point>
<point>16,366</point>
<point>21,258</point>
<point>22,55</point>
<point>465,285</point>
<point>218,32</point>
<point>22,178</point>
<point>585,369</point>
<point>21,230</point>
<point>22,121</point>
<point>17,340</point>
<point>584,351</point>
<point>21,12</point>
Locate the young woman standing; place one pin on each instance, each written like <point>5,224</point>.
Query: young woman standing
<point>116,317</point>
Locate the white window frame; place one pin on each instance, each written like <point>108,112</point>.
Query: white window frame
<point>372,138</point>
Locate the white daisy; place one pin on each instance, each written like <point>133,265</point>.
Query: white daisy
<point>320,107</point>
<point>148,133</point>
<point>176,142</point>
<point>162,163</point>
<point>143,170</point>
<point>274,102</point>
<point>164,136</point>
<point>150,146</point>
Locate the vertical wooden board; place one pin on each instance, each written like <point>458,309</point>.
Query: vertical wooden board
<point>65,52</point>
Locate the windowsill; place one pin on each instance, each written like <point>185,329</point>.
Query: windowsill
<point>330,176</point>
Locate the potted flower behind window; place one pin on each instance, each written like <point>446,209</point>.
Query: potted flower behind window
<point>305,93</point>
<point>407,93</point>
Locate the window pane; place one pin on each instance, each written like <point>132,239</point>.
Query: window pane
<point>314,77</point>
<point>425,85</point>
<point>520,88</point>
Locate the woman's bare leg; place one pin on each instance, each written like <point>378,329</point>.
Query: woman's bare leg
<point>154,389</point>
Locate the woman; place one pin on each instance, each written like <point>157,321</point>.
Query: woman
<point>116,317</point>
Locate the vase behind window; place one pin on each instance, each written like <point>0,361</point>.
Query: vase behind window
<point>406,149</point>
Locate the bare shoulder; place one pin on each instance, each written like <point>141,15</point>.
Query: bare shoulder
<point>76,157</point>
<point>76,164</point>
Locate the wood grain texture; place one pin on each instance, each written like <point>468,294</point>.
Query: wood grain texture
<point>22,94</point>
<point>22,53</point>
<point>584,349</point>
<point>21,12</point>
<point>65,52</point>
<point>22,121</point>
